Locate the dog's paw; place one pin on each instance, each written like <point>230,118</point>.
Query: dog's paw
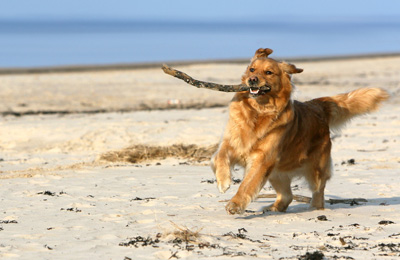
<point>270,208</point>
<point>224,185</point>
<point>276,207</point>
<point>233,208</point>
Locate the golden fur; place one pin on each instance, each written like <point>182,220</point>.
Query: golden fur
<point>275,138</point>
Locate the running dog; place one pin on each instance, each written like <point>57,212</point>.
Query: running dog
<point>276,138</point>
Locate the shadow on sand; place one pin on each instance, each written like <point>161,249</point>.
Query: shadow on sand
<point>303,207</point>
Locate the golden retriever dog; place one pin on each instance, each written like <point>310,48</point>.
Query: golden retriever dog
<point>276,138</point>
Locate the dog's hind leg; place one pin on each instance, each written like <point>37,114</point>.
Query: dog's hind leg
<point>281,184</point>
<point>317,201</point>
<point>221,165</point>
<point>320,174</point>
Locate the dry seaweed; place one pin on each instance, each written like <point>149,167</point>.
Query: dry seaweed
<point>142,153</point>
<point>184,234</point>
<point>140,241</point>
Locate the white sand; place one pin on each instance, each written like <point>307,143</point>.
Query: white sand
<point>93,207</point>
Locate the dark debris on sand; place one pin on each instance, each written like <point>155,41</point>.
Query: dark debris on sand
<point>145,199</point>
<point>49,193</point>
<point>212,181</point>
<point>140,241</point>
<point>316,255</point>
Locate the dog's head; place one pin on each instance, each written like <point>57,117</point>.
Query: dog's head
<point>267,76</point>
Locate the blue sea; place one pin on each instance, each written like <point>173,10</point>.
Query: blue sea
<point>37,43</point>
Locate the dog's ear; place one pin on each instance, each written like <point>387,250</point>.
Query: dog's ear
<point>262,53</point>
<point>289,68</point>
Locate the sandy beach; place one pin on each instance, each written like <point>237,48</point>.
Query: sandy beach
<point>72,186</point>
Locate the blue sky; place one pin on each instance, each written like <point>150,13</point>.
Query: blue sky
<point>196,10</point>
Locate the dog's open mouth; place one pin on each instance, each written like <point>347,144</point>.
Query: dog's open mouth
<point>258,91</point>
<point>254,91</point>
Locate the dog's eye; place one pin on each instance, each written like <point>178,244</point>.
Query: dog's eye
<point>252,69</point>
<point>268,72</point>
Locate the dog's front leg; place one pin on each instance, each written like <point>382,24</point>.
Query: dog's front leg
<point>255,178</point>
<point>221,165</point>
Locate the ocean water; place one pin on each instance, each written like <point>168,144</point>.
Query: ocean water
<point>57,43</point>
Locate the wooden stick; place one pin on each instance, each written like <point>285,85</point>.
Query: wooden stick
<point>352,202</point>
<point>298,198</point>
<point>208,85</point>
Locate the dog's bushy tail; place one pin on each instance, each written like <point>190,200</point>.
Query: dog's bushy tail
<point>341,108</point>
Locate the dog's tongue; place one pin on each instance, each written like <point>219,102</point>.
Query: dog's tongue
<point>254,91</point>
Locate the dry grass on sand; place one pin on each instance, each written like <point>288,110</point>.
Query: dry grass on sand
<point>140,153</point>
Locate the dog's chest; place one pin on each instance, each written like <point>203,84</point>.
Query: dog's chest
<point>247,129</point>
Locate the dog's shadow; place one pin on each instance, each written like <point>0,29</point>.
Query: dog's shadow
<point>304,207</point>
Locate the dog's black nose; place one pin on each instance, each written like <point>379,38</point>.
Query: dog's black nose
<point>253,79</point>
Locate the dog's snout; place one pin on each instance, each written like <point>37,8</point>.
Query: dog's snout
<point>253,79</point>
